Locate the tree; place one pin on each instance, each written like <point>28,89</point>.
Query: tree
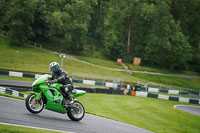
<point>19,17</point>
<point>69,25</point>
<point>187,13</point>
<point>150,32</point>
<point>118,25</point>
<point>39,25</point>
<point>166,44</point>
<point>4,4</point>
<point>78,22</point>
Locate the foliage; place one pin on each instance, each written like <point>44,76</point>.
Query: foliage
<point>154,33</point>
<point>164,38</point>
<point>164,33</point>
<point>19,16</point>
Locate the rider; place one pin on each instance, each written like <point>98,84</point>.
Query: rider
<point>60,76</point>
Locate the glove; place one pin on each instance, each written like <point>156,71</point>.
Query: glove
<point>52,81</point>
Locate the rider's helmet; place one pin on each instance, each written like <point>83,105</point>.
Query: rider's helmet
<point>53,67</point>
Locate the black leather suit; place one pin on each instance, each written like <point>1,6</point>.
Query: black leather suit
<point>62,78</point>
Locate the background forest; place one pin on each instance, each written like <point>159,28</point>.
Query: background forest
<point>164,33</point>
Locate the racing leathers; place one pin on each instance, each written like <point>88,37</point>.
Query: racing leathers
<point>62,78</point>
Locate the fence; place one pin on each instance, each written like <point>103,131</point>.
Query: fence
<point>97,80</point>
<point>174,90</point>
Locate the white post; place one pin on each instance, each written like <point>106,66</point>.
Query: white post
<point>63,56</point>
<point>62,62</point>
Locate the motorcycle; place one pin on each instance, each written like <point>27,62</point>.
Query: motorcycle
<point>50,96</point>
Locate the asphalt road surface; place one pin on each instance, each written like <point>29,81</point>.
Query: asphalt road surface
<point>15,83</point>
<point>14,112</point>
<point>195,110</point>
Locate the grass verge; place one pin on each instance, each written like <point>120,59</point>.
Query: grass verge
<point>160,70</point>
<point>18,129</point>
<point>152,114</point>
<point>37,61</point>
<point>101,62</point>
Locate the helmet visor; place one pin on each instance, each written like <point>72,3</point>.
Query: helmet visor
<point>52,68</point>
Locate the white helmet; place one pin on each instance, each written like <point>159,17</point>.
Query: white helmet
<point>53,67</point>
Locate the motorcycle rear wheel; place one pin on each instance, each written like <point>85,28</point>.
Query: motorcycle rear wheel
<point>32,105</point>
<point>78,113</point>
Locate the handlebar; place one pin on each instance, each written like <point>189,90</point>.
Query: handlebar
<point>47,82</point>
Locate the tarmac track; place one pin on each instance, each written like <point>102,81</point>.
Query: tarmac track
<point>195,110</point>
<point>13,111</point>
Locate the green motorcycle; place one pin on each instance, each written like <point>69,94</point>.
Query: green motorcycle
<point>49,96</point>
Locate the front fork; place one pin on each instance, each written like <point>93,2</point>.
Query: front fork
<point>38,96</point>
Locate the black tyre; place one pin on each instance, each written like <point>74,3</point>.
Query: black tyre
<point>32,105</point>
<point>77,112</point>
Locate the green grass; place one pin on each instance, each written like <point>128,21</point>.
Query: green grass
<point>17,129</point>
<point>169,80</point>
<point>37,61</point>
<point>160,70</point>
<point>101,62</point>
<point>148,113</point>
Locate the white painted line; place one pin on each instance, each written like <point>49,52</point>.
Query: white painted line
<point>142,94</point>
<point>89,82</point>
<point>153,89</point>
<point>173,92</point>
<point>182,99</point>
<point>35,127</point>
<point>163,97</point>
<point>16,74</point>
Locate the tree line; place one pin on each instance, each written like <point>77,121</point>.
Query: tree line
<point>164,33</point>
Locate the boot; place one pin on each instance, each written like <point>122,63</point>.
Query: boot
<point>69,98</point>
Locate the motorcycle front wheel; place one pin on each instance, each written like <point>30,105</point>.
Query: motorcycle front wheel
<point>34,106</point>
<point>77,112</point>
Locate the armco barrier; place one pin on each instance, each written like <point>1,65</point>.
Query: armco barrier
<point>165,97</point>
<point>11,92</point>
<point>99,90</point>
<point>36,76</point>
<point>107,84</point>
<point>175,92</point>
<point>112,91</point>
